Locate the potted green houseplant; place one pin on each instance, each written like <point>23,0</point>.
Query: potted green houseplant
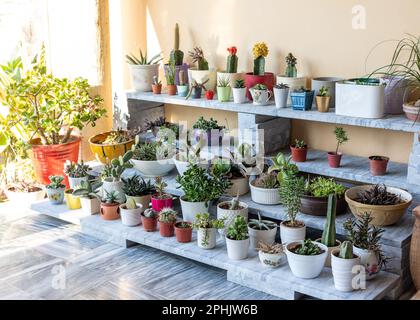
<point>202,72</point>
<point>261,231</point>
<point>260,94</point>
<point>237,239</point>
<point>235,173</point>
<point>281,95</point>
<point>183,231</point>
<point>299,151</point>
<point>110,206</point>
<point>208,130</point>
<point>323,100</point>
<point>76,173</point>
<point>142,70</point>
<point>343,260</point>
<point>156,85</point>
<point>271,255</point>
<point>302,99</point>
<point>290,77</point>
<point>199,189</point>
<point>228,210</point>
<point>55,190</point>
<point>224,90</point>
<point>149,219</point>
<point>207,230</point>
<point>89,196</point>
<point>130,213</point>
<point>139,190</point>
<point>265,189</point>
<point>182,87</point>
<point>167,220</point>
<point>283,167</point>
<point>161,199</point>
<point>170,72</point>
<point>334,158</point>
<point>378,165</point>
<point>239,91</point>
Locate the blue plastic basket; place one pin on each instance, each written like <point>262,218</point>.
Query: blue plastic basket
<point>302,101</point>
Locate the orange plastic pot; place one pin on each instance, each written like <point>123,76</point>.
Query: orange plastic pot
<point>48,160</point>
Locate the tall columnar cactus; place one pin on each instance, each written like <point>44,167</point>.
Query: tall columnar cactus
<point>346,250</point>
<point>232,61</point>
<point>260,51</point>
<point>181,76</point>
<point>177,56</point>
<point>291,70</point>
<point>328,235</point>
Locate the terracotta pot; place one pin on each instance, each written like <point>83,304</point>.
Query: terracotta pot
<point>415,250</point>
<point>159,204</point>
<point>183,235</point>
<point>378,165</point>
<point>317,206</point>
<point>171,89</point>
<point>110,211</point>
<point>334,159</point>
<point>251,80</point>
<point>104,153</point>
<point>149,224</point>
<point>166,229</point>
<point>299,154</point>
<point>411,112</point>
<point>157,88</point>
<point>49,160</point>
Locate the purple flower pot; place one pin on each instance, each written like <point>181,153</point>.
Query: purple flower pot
<point>184,67</point>
<point>394,94</point>
<point>213,137</point>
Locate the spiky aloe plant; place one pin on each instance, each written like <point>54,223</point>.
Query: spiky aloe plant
<point>232,60</point>
<point>142,59</point>
<point>177,56</point>
<point>197,56</point>
<point>346,250</point>
<point>328,235</point>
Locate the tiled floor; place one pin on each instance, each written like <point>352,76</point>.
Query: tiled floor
<point>43,258</point>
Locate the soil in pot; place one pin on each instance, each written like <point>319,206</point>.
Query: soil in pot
<point>166,229</point>
<point>299,154</point>
<point>149,224</point>
<point>183,232</point>
<point>378,165</point>
<point>110,211</point>
<point>334,159</point>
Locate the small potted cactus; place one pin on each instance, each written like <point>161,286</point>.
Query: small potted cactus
<point>302,99</point>
<point>265,189</point>
<point>343,260</point>
<point>156,85</point>
<point>323,100</point>
<point>131,213</point>
<point>177,58</point>
<point>170,79</point>
<point>271,255</point>
<point>202,72</point>
<point>281,94</point>
<point>110,206</point>
<point>334,158</point>
<point>237,239</point>
<point>167,220</point>
<point>55,190</point>
<point>183,231</point>
<point>89,197</point>
<point>261,231</point>
<point>207,230</point>
<point>182,87</point>
<point>239,92</point>
<point>261,95</point>
<point>149,219</point>
<point>228,210</point>
<point>197,88</point>
<point>76,173</point>
<point>161,199</point>
<point>290,77</point>
<point>231,73</point>
<point>223,89</point>
<point>299,151</point>
<point>137,188</point>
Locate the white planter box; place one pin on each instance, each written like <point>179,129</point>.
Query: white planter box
<point>152,169</point>
<point>257,236</point>
<point>293,83</point>
<point>142,76</point>
<point>191,209</point>
<point>264,196</point>
<point>237,249</point>
<point>229,215</point>
<point>288,235</point>
<point>90,206</point>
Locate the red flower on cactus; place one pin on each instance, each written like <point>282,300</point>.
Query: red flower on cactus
<point>232,51</point>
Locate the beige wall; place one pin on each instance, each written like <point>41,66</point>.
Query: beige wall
<point>318,32</point>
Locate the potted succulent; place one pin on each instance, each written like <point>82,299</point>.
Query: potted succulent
<point>334,158</point>
<point>161,199</point>
<point>314,201</point>
<point>259,76</point>
<point>231,73</point>
<point>233,172</point>
<point>302,99</point>
<point>291,77</point>
<point>299,151</point>
<point>261,95</point>
<point>224,90</point>
<point>306,258</point>
<point>366,241</point>
<point>182,87</point>
<point>76,173</point>
<point>207,230</point>
<point>329,84</point>
<point>176,58</point>
<point>142,70</point>
<point>202,71</point>
<point>149,219</point>
<point>170,79</point>
<point>283,167</point>
<point>50,108</point>
<point>386,205</point>
<point>155,126</point>
<point>89,197</point>
<point>156,85</point>
<point>261,231</point>
<point>265,189</point>
<point>111,175</point>
<point>183,231</point>
<point>110,145</point>
<point>343,260</point>
<point>55,190</point>
<point>281,95</point>
<point>72,202</point>
<point>237,239</point>
<point>139,190</point>
<point>239,92</point>
<point>167,220</point>
<point>291,190</point>
<point>271,255</point>
<point>199,189</point>
<point>208,130</point>
<point>323,100</point>
<point>197,88</point>
<point>228,210</point>
<point>110,206</point>
<point>131,213</point>
<point>378,165</point>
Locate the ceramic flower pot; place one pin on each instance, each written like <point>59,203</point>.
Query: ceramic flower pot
<point>149,224</point>
<point>143,200</point>
<point>110,211</point>
<point>183,235</point>
<point>292,83</point>
<point>105,153</point>
<point>378,165</point>
<point>334,159</point>
<point>159,204</point>
<point>182,90</point>
<point>223,94</point>
<point>142,76</point>
<point>206,238</point>
<point>90,206</point>
<point>264,196</point>
<point>394,94</point>
<point>237,249</point>
<point>239,186</point>
<point>260,97</point>
<point>77,182</point>
<point>329,83</point>
<point>411,112</point>
<point>223,212</point>
<point>157,88</point>
<point>251,80</point>
<point>190,209</point>
<point>152,169</point>
<point>299,154</point>
<point>272,260</point>
<point>369,259</point>
<point>130,217</point>
<point>280,97</point>
<point>330,250</point>
<point>257,236</point>
<point>166,229</point>
<point>73,203</point>
<point>317,206</point>
<point>55,196</point>
<point>292,234</point>
<point>197,92</point>
<point>239,95</point>
<point>342,270</point>
<point>25,199</point>
<point>109,186</point>
<point>171,89</point>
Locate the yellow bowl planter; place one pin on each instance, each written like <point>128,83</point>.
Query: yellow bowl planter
<point>105,153</point>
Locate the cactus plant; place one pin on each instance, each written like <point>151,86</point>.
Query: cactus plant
<point>240,83</point>
<point>260,51</point>
<point>291,62</point>
<point>197,56</point>
<point>150,213</point>
<point>116,167</point>
<point>111,197</point>
<point>167,215</point>
<point>181,75</point>
<point>232,60</point>
<point>346,250</point>
<point>234,203</point>
<point>177,56</point>
<point>131,204</point>
<point>328,235</point>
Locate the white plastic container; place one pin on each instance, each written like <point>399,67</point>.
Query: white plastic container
<point>257,236</point>
<point>342,271</point>
<point>191,209</point>
<point>151,169</point>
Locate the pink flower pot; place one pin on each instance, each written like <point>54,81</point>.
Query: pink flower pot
<point>159,204</point>
<point>334,159</point>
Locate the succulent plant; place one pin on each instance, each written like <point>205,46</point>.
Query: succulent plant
<point>346,250</point>
<point>291,190</point>
<point>238,229</point>
<point>266,181</point>
<point>111,197</point>
<point>259,224</point>
<point>223,82</point>
<point>281,86</point>
<point>56,182</point>
<point>291,62</point>
<point>160,186</point>
<point>308,248</point>
<point>378,196</point>
<point>142,59</point>
<point>150,213</point>
<point>207,125</point>
<point>234,204</point>
<point>156,81</point>
<point>232,60</point>
<point>119,136</point>
<point>167,215</point>
<point>136,186</point>
<point>283,166</point>
<point>131,204</point>
<point>170,72</point>
<point>300,144</point>
<point>260,86</point>
<point>204,221</point>
<point>89,190</point>
<point>323,92</point>
<point>323,187</point>
<point>76,170</point>
<point>197,56</point>
<point>196,86</point>
<point>328,235</point>
<point>239,83</point>
<point>177,56</point>
<point>116,167</point>
<point>272,248</point>
<point>145,152</point>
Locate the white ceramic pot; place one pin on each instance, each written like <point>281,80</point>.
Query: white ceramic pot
<point>239,95</point>
<point>152,169</point>
<point>229,215</point>
<point>330,249</point>
<point>131,217</point>
<point>293,83</point>
<point>342,270</point>
<point>264,196</point>
<point>272,260</point>
<point>306,267</point>
<point>109,186</point>
<point>206,238</point>
<point>90,206</point>
<point>369,259</point>
<point>191,209</point>
<point>237,249</point>
<point>288,234</point>
<point>362,101</point>
<point>143,200</point>
<point>240,185</point>
<point>327,82</point>
<point>280,97</point>
<point>25,199</point>
<point>142,76</point>
<point>201,75</point>
<point>260,97</point>
<point>77,182</point>
<point>257,236</point>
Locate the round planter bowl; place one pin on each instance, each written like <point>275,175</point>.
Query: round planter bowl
<point>317,206</point>
<point>152,169</point>
<point>237,249</point>
<point>251,80</point>
<point>142,76</point>
<point>183,235</point>
<point>229,215</point>
<point>330,249</point>
<point>306,267</point>
<point>239,186</point>
<point>378,165</point>
<point>257,236</point>
<point>289,234</point>
<point>264,196</point>
<point>105,153</point>
<point>342,270</point>
<point>24,199</point>
<point>381,215</point>
<point>272,260</point>
<point>131,217</point>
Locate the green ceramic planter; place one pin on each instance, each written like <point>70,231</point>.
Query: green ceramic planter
<point>223,94</point>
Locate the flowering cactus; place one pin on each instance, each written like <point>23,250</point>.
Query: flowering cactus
<point>232,60</point>
<point>260,51</point>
